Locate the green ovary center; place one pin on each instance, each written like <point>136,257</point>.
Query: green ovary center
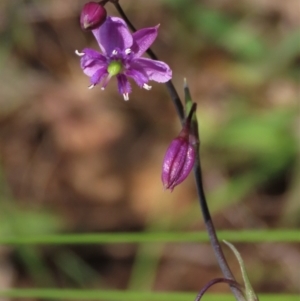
<point>114,68</point>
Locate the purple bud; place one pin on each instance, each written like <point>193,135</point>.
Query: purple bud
<point>92,16</point>
<point>179,160</point>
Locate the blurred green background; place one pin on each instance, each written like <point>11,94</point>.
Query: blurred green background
<point>75,160</point>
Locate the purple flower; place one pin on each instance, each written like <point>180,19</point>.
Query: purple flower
<point>92,16</point>
<point>179,159</point>
<point>121,56</point>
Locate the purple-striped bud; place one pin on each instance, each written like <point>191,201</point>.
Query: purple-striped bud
<point>92,16</point>
<point>179,159</point>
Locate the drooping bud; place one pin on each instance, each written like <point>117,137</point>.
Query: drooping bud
<point>179,160</point>
<point>181,154</point>
<point>92,15</point>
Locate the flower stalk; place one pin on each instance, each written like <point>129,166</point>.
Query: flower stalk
<point>197,174</point>
<point>216,281</point>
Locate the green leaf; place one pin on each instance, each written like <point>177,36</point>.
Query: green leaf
<point>187,98</point>
<point>250,294</point>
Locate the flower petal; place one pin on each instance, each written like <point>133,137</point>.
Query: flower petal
<point>112,34</point>
<point>91,61</point>
<point>123,85</point>
<point>98,76</point>
<point>156,70</point>
<point>186,169</point>
<point>138,74</point>
<point>178,162</point>
<point>143,39</point>
<point>173,163</point>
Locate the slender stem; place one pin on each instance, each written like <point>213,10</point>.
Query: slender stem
<point>103,2</point>
<point>211,230</point>
<point>170,86</point>
<point>215,281</point>
<point>197,173</point>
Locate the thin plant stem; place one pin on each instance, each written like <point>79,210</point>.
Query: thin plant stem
<point>103,2</point>
<point>211,230</point>
<point>215,281</point>
<point>170,86</point>
<point>197,174</point>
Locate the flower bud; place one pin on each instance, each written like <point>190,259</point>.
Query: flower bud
<point>92,16</point>
<point>179,159</point>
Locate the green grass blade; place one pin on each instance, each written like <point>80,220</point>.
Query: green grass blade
<point>128,295</point>
<point>245,236</point>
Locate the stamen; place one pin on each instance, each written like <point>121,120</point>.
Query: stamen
<point>79,53</point>
<point>105,81</point>
<point>91,86</point>
<point>147,87</point>
<point>115,52</point>
<point>127,51</point>
<point>126,96</point>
